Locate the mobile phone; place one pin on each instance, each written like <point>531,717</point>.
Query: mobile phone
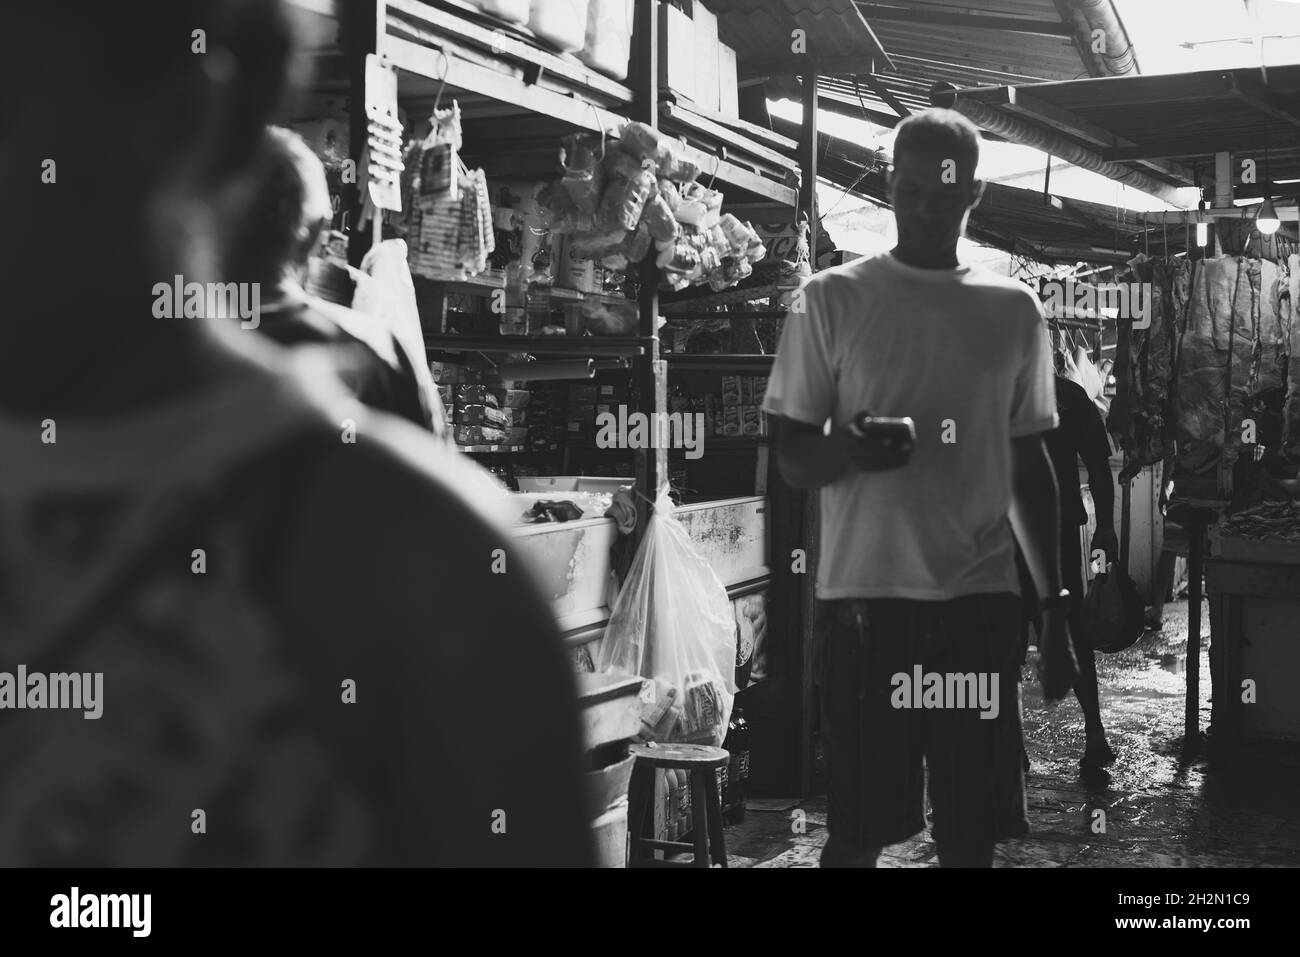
<point>893,434</point>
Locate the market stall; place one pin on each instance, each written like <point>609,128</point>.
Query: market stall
<point>549,171</point>
<point>1210,383</point>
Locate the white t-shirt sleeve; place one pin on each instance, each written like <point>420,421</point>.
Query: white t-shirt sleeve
<point>802,382</point>
<point>1033,402</point>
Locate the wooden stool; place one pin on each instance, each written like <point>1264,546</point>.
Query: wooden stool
<point>701,762</point>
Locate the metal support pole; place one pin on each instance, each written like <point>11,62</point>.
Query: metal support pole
<point>650,377</point>
<point>808,156</point>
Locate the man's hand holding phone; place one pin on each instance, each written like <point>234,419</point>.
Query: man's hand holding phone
<point>875,444</point>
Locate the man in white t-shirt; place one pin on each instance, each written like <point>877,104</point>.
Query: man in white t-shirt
<point>918,655</point>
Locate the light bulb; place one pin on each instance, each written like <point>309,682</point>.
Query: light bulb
<point>1266,220</point>
<point>1202,234</point>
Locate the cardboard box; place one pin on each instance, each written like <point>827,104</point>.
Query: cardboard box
<point>728,82</point>
<point>676,52</point>
<point>760,389</point>
<point>582,395</point>
<point>516,399</point>
<point>705,55</point>
<point>612,392</point>
<point>731,390</point>
<point>448,373</point>
<point>518,435</point>
<point>749,420</point>
<point>747,390</point>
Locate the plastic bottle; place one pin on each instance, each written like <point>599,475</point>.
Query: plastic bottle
<point>737,744</point>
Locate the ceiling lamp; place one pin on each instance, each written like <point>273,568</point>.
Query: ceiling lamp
<point>1266,220</point>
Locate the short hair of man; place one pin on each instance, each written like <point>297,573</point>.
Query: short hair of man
<point>940,132</point>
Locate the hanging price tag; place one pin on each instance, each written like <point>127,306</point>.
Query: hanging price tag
<point>384,137</point>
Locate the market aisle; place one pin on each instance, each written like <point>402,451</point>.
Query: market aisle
<point>1159,811</point>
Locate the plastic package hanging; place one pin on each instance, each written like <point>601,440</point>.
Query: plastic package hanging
<point>673,623</point>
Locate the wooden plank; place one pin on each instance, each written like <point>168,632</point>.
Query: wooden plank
<point>879,88</point>
<point>752,130</point>
<point>728,172</point>
<point>465,74</point>
<point>972,20</point>
<point>693,120</point>
<point>450,25</point>
<point>850,65</point>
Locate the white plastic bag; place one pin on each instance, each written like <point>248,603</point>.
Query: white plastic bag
<point>673,622</point>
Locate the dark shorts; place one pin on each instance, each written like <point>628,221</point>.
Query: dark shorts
<point>877,754</point>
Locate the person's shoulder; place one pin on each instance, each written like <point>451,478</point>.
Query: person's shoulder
<point>1004,288</point>
<point>1069,392</point>
<point>855,280</point>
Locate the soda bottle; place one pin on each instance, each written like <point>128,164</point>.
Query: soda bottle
<point>737,745</point>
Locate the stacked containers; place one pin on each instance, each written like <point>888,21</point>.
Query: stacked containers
<point>516,11</point>
<point>608,45</point>
<point>560,22</point>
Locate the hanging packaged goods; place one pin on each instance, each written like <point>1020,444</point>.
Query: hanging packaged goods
<point>1148,417</point>
<point>449,225</point>
<point>617,199</point>
<point>1290,313</point>
<point>1220,335</point>
<point>1231,348</point>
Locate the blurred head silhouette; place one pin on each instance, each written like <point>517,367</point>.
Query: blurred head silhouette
<point>120,125</point>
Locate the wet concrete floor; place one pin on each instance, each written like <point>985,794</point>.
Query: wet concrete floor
<point>1162,809</point>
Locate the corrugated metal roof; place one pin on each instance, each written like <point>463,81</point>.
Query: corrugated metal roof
<point>1024,41</point>
<point>1017,220</point>
<point>1182,119</point>
<point>760,31</point>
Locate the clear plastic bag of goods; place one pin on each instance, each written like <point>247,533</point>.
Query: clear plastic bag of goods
<point>1111,618</point>
<point>608,45</point>
<point>562,23</point>
<point>673,623</point>
<point>516,11</point>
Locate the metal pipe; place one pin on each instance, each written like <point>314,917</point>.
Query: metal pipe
<point>1026,133</point>
<point>1117,57</point>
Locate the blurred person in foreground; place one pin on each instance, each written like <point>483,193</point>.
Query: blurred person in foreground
<point>290,599</point>
<point>917,571</point>
<point>284,217</point>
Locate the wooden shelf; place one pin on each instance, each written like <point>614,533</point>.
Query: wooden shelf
<point>486,449</point>
<point>739,363</point>
<point>580,346</point>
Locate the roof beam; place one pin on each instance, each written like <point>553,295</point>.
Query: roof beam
<point>1038,135</point>
<point>1074,125</point>
<point>882,91</point>
<point>1047,28</point>
<point>1261,100</point>
<point>849,65</point>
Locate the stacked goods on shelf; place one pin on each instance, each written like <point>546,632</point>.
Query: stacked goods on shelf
<point>512,11</point>
<point>738,410</point>
<point>694,64</point>
<point>560,22</point>
<point>618,199</point>
<point>449,220</point>
<point>547,426</point>
<point>480,420</point>
<point>482,412</point>
<point>581,424</point>
<point>608,44</point>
